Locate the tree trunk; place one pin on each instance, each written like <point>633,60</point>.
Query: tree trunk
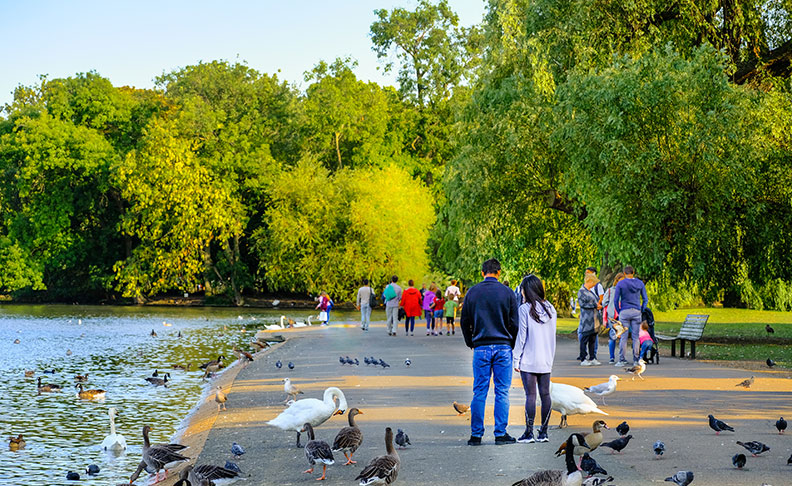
<point>338,148</point>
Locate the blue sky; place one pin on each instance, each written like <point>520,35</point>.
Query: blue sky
<point>131,42</point>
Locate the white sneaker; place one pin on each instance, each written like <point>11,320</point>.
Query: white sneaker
<point>620,364</point>
<point>585,363</point>
<point>594,362</point>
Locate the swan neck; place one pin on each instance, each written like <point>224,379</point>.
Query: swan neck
<point>112,425</point>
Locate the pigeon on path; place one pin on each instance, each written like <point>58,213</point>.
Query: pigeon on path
<point>738,460</point>
<point>407,362</point>
<point>623,428</point>
<point>681,478</point>
<point>718,426</point>
<point>402,439</point>
<point>237,450</point>
<point>781,425</point>
<point>770,363</point>
<point>588,464</point>
<point>658,448</point>
<point>754,447</point>
<point>278,364</point>
<point>291,365</point>
<point>617,445</point>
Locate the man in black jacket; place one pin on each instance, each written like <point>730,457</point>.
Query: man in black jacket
<point>489,322</point>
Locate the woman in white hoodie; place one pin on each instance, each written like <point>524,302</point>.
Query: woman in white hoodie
<point>534,352</point>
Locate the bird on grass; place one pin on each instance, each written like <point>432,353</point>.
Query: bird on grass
<point>588,464</point>
<point>781,425</point>
<point>754,447</point>
<point>738,461</point>
<point>746,383</point>
<point>460,408</point>
<point>637,370</point>
<point>681,478</point>
<point>291,390</point>
<point>220,398</point>
<point>718,426</point>
<point>382,469</point>
<point>617,445</point>
<point>237,450</point>
<point>290,365</point>
<point>770,363</point>
<point>402,439</point>
<point>572,476</point>
<point>769,329</point>
<point>659,449</point>
<point>623,428</point>
<point>604,389</point>
<point>317,451</point>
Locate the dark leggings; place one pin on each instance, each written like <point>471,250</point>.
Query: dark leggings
<point>588,340</point>
<point>529,381</point>
<point>409,324</point>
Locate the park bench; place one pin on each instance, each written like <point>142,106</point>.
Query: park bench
<point>692,330</point>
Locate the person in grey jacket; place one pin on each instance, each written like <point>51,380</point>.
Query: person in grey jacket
<point>363,304</point>
<point>588,302</point>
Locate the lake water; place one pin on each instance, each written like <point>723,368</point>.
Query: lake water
<point>113,345</point>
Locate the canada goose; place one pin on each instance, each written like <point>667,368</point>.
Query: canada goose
<point>572,477</point>
<point>349,438</point>
<point>89,394</point>
<point>203,475</point>
<point>47,387</point>
<point>217,361</point>
<point>159,381</point>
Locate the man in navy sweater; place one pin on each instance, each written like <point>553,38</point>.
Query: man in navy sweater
<point>489,322</point>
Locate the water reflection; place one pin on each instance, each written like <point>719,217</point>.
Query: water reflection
<point>114,346</point>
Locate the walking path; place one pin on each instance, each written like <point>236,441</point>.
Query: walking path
<point>670,405</point>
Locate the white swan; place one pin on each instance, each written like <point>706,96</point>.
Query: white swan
<point>303,323</point>
<point>113,442</point>
<point>312,411</point>
<point>273,327</point>
<point>570,400</point>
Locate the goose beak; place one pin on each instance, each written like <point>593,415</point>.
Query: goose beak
<point>604,425</point>
<point>339,412</point>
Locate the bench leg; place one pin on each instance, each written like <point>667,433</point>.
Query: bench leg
<point>692,349</point>
<point>681,348</point>
<point>673,348</point>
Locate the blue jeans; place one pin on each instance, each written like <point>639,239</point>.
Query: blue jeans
<point>631,319</point>
<point>491,361</point>
<point>409,324</point>
<point>646,346</point>
<point>429,319</point>
<point>365,316</point>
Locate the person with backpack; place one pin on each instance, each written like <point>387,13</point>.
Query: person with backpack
<point>366,300</point>
<point>428,301</point>
<point>411,303</point>
<point>631,301</point>
<point>324,306</point>
<point>392,296</point>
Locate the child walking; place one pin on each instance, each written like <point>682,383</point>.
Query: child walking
<point>449,309</point>
<point>438,305</point>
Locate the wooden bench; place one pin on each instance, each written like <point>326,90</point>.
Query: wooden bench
<point>692,330</point>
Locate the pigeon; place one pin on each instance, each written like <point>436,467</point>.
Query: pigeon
<point>407,362</point>
<point>659,449</point>
<point>604,389</point>
<point>781,425</point>
<point>237,450</point>
<point>290,365</point>
<point>769,329</point>
<point>718,426</point>
<point>623,428</point>
<point>232,466</point>
<point>278,364</point>
<point>754,447</point>
<point>366,360</point>
<point>402,439</point>
<point>92,470</point>
<point>738,461</point>
<point>341,360</point>
<point>383,364</point>
<point>681,478</point>
<point>789,461</point>
<point>746,383</point>
<point>638,369</point>
<point>588,464</point>
<point>593,481</point>
<point>618,444</point>
<point>460,409</point>
<point>357,363</point>
<point>349,361</point>
<point>770,363</point>
<point>72,476</point>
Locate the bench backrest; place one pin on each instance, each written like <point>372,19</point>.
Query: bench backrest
<point>693,327</point>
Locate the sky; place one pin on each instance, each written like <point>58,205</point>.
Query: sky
<point>132,42</point>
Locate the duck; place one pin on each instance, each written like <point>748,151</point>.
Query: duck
<point>311,410</point>
<point>570,400</point>
<point>243,356</point>
<point>30,373</point>
<point>220,398</point>
<point>291,390</point>
<point>114,441</point>
<point>156,381</point>
<point>47,387</point>
<point>81,378</point>
<point>317,451</point>
<point>203,475</point>
<point>593,440</point>
<point>604,389</point>
<point>160,456</point>
<point>349,438</point>
<point>382,469</point>
<point>182,367</point>
<point>550,477</point>
<point>16,443</point>
<point>93,394</point>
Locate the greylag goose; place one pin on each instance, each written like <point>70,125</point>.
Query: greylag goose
<point>160,456</point>
<point>220,398</point>
<point>156,381</point>
<point>114,441</point>
<point>382,469</point>
<point>47,387</point>
<point>203,475</point>
<point>317,451</point>
<point>571,477</point>
<point>349,438</point>
<point>89,394</point>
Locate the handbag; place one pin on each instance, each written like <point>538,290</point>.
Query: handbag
<point>372,299</point>
<point>323,316</point>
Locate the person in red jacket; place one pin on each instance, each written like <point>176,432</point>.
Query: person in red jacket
<point>411,302</point>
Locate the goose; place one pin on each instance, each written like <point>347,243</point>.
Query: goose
<point>382,469</point>
<point>604,389</point>
<point>159,381</point>
<point>47,387</point>
<point>93,394</point>
<point>214,362</point>
<point>81,378</point>
<point>291,390</point>
<point>210,370</point>
<point>570,400</point>
<point>573,477</point>
<point>593,440</point>
<point>311,410</point>
<point>203,475</point>
<point>349,438</point>
<point>317,451</point>
<point>160,456</point>
<point>243,356</point>
<point>16,443</point>
<point>114,441</point>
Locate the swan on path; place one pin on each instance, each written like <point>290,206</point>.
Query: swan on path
<point>312,411</point>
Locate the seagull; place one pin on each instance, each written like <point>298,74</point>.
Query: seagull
<point>754,447</point>
<point>593,481</point>
<point>589,464</point>
<point>278,364</point>
<point>291,390</point>
<point>402,439</point>
<point>623,428</point>
<point>781,425</point>
<point>637,369</point>
<point>659,449</point>
<point>604,389</point>
<point>746,383</point>
<point>618,444</point>
<point>739,461</point>
<point>460,409</point>
<point>769,329</point>
<point>718,426</point>
<point>681,478</point>
<point>237,450</point>
<point>290,365</point>
<point>770,363</point>
<point>407,362</point>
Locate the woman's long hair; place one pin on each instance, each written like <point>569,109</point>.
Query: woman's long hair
<point>534,294</point>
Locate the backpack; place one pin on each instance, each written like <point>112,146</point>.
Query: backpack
<point>372,299</point>
<point>390,292</point>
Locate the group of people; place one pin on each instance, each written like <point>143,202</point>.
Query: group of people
<point>411,303</point>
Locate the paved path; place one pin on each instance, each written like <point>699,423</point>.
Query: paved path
<point>670,405</point>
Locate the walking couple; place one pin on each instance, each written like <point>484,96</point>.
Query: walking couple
<point>506,333</point>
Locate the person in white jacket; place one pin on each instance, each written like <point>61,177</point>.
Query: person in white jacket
<point>534,352</point>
